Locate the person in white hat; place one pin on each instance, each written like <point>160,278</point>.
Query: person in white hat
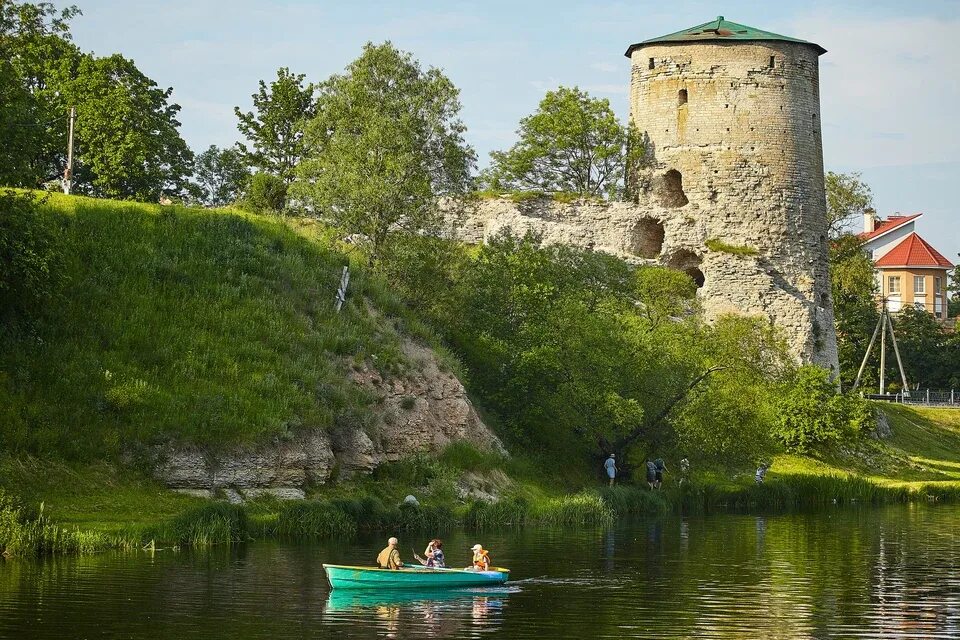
<point>611,466</point>
<point>481,559</point>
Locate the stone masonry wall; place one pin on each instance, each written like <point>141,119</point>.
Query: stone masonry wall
<point>734,160</point>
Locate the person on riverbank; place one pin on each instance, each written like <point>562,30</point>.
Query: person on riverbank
<point>660,469</point>
<point>684,470</point>
<point>651,473</point>
<point>481,558</point>
<point>434,554</point>
<point>761,473</point>
<point>389,558</point>
<point>611,466</point>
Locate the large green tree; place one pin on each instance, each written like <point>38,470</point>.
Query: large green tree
<point>275,128</point>
<point>222,175</point>
<point>847,198</point>
<point>573,143</point>
<point>386,143</point>
<point>127,138</point>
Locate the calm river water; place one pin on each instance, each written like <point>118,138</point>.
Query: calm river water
<point>845,573</point>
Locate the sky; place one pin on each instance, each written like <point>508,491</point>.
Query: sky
<point>890,80</point>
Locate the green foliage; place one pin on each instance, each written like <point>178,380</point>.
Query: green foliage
<point>33,534</point>
<point>579,510</point>
<point>127,139</point>
<point>208,524</point>
<point>276,127</point>
<point>265,193</point>
<point>144,157</point>
<point>853,287</point>
<point>847,198</point>
<point>573,144</point>
<point>30,268</point>
<point>930,354</point>
<point>312,519</point>
<point>221,175</point>
<point>716,244</point>
<point>386,142</point>
<point>813,414</point>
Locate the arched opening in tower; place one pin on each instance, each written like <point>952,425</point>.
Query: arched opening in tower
<point>688,262</point>
<point>671,190</point>
<point>682,97</point>
<point>646,238</point>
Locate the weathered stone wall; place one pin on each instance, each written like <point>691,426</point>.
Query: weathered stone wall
<point>734,158</point>
<point>423,411</point>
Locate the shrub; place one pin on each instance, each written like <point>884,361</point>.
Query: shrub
<point>265,193</point>
<point>29,266</point>
<point>583,509</point>
<point>812,413</point>
<point>25,534</point>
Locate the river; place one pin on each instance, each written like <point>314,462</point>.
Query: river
<point>843,573</point>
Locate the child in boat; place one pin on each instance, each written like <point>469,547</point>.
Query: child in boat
<point>481,558</point>
<point>434,554</point>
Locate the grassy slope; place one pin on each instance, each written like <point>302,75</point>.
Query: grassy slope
<point>212,327</point>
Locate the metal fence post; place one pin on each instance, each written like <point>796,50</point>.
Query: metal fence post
<point>928,395</point>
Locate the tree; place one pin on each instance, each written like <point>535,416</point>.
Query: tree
<point>265,193</point>
<point>855,307</point>
<point>923,348</point>
<point>386,143</point>
<point>847,197</point>
<point>127,138</point>
<point>573,143</point>
<point>221,175</point>
<point>953,287</point>
<point>276,129</point>
<point>36,57</point>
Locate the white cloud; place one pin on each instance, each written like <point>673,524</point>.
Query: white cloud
<point>605,67</point>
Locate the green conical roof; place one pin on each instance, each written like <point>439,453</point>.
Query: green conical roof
<point>719,30</point>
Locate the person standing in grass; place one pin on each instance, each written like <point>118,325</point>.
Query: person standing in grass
<point>611,466</point>
<point>659,469</point>
<point>389,558</point>
<point>761,473</point>
<point>651,473</point>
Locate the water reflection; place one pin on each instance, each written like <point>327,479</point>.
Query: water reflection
<point>890,573</point>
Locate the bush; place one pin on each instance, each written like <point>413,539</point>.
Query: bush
<point>812,413</point>
<point>266,193</point>
<point>25,534</point>
<point>28,258</point>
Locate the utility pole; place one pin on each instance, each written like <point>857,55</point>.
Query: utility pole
<point>68,172</point>
<point>883,350</point>
<point>883,325</point>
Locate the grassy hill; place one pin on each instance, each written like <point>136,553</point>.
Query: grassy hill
<point>172,323</point>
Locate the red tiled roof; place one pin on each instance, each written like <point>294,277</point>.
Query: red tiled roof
<point>913,252</point>
<point>889,224</point>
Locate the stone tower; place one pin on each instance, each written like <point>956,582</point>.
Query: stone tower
<point>731,115</point>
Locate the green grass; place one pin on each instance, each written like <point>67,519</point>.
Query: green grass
<point>716,244</point>
<point>189,325</point>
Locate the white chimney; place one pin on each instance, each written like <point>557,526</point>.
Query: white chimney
<point>869,220</point>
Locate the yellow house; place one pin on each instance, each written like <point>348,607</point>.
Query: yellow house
<point>914,273</point>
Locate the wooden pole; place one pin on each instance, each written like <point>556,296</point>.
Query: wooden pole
<point>68,172</point>
<point>883,352</point>
<point>866,356</point>
<point>896,351</point>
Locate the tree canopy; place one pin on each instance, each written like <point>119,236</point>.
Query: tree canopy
<point>275,128</point>
<point>221,175</point>
<point>573,143</point>
<point>386,142</point>
<point>847,197</point>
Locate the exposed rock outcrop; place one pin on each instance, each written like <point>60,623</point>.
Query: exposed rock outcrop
<point>422,411</point>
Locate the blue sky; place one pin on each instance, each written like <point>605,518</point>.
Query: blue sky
<point>890,80</point>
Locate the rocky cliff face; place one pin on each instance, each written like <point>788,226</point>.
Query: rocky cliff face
<point>423,411</point>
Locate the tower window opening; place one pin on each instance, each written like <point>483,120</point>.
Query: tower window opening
<point>650,64</point>
<point>671,190</point>
<point>773,61</point>
<point>682,97</point>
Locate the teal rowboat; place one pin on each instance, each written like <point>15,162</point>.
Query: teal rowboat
<point>347,577</point>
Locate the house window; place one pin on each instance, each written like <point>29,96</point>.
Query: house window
<point>919,284</point>
<point>893,285</point>
<point>937,286</point>
<point>682,97</point>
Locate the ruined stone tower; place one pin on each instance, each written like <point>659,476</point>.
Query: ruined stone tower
<point>733,188</point>
<point>732,118</point>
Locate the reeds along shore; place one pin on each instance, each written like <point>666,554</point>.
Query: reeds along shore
<point>32,533</point>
